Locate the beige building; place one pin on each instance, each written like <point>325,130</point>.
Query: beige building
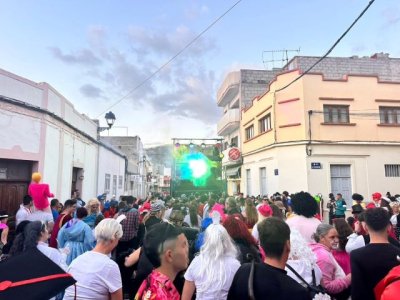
<point>334,130</point>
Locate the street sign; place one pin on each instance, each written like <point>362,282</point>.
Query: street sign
<point>316,165</point>
<point>234,154</point>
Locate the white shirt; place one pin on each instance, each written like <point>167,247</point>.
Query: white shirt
<point>354,241</point>
<point>254,233</point>
<point>42,216</point>
<point>54,254</point>
<point>22,214</point>
<point>97,276</point>
<point>393,220</point>
<point>304,271</point>
<point>230,264</point>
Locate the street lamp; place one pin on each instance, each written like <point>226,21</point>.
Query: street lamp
<point>110,119</point>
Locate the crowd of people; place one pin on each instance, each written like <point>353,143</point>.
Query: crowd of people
<point>210,246</point>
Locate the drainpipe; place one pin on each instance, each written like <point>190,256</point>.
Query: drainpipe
<point>275,122</point>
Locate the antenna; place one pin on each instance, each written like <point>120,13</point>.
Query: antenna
<point>282,56</point>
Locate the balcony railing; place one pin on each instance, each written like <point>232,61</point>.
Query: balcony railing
<point>229,89</point>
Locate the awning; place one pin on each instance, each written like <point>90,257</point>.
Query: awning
<point>232,172</point>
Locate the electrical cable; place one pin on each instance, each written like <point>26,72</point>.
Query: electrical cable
<point>330,50</point>
<point>172,58</point>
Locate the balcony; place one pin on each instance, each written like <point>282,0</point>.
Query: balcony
<point>229,89</point>
<point>229,122</point>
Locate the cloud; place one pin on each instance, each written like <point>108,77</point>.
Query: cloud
<point>195,11</point>
<point>91,91</point>
<point>81,57</point>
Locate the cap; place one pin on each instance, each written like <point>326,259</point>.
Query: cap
<point>265,210</point>
<point>376,196</point>
<point>157,206</point>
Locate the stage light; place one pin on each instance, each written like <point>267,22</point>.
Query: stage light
<point>198,167</point>
<point>191,145</point>
<point>203,145</point>
<point>177,145</point>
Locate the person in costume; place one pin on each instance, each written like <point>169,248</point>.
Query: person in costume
<point>40,193</point>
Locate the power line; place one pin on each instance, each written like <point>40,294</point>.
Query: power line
<point>172,58</point>
<point>330,50</point>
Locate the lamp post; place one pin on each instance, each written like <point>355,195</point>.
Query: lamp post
<point>110,119</point>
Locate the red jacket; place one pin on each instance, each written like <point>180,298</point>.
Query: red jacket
<point>389,287</point>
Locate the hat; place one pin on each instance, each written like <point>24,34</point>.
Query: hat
<point>3,216</point>
<point>376,196</point>
<point>31,275</point>
<point>265,210</point>
<point>145,208</point>
<point>357,197</point>
<point>155,237</point>
<point>157,206</point>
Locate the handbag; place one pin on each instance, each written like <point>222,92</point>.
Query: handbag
<point>313,288</point>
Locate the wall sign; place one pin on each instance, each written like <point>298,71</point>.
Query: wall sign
<point>316,165</point>
<point>276,172</point>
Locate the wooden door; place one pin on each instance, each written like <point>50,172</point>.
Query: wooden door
<point>11,195</point>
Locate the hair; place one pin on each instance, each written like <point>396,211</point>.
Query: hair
<point>351,221</point>
<point>98,219</point>
<point>251,211</point>
<point>176,217</point>
<point>217,245</point>
<point>69,203</point>
<point>81,212</point>
<point>237,230</point>
<point>322,230</point>
<point>193,214</point>
<point>232,204</point>
<point>54,202</point>
<point>27,200</point>
<point>155,240</point>
<point>339,194</point>
<point>130,200</point>
<point>18,243</point>
<point>377,219</point>
<point>276,211</point>
<point>274,233</point>
<point>27,238</point>
<point>344,230</point>
<point>108,230</point>
<point>122,205</point>
<point>91,202</point>
<point>304,204</point>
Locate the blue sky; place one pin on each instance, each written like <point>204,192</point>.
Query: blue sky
<point>95,52</point>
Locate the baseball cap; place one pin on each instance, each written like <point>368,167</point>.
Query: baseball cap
<point>265,210</point>
<point>376,196</point>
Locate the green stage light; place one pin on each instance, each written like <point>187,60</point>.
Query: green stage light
<point>198,167</point>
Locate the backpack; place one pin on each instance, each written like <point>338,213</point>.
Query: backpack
<point>389,287</point>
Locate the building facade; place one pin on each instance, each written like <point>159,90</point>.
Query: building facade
<point>235,93</point>
<point>42,131</point>
<point>138,164</point>
<point>336,129</point>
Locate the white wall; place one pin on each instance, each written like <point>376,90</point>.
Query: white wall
<point>110,163</point>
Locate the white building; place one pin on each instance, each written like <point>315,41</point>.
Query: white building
<point>42,131</point>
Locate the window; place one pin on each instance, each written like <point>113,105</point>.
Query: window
<point>114,187</point>
<point>249,132</point>
<point>336,114</point>
<point>392,170</point>
<point>248,182</point>
<point>389,115</point>
<point>264,124</point>
<point>235,142</point>
<point>107,183</point>
<point>263,181</point>
<point>120,182</point>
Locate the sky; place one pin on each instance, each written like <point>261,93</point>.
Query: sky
<point>95,52</point>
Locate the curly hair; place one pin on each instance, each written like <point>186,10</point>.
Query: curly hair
<point>304,204</point>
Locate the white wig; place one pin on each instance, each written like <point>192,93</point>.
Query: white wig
<point>217,245</point>
<point>108,230</point>
<point>299,249</point>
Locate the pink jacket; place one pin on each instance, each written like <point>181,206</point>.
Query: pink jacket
<point>330,270</point>
<point>40,193</point>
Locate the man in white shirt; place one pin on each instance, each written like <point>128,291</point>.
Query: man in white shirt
<point>24,210</point>
<point>43,216</point>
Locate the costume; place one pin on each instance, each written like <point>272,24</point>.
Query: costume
<point>39,193</point>
<point>77,236</point>
<point>157,286</point>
